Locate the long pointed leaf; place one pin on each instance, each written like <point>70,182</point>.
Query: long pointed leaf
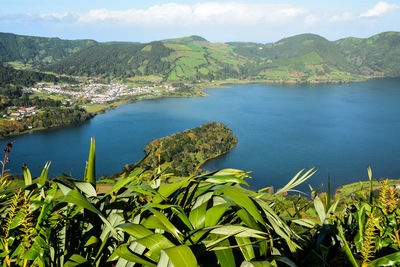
<point>43,175</point>
<point>90,174</point>
<point>225,256</point>
<point>27,175</point>
<point>181,256</point>
<point>76,198</point>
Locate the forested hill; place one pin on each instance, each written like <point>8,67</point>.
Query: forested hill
<point>301,58</point>
<point>379,53</point>
<point>183,152</point>
<point>38,50</point>
<point>116,60</point>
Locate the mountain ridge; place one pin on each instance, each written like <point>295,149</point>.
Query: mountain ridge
<point>301,58</point>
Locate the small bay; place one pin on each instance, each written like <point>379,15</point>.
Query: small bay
<point>340,128</point>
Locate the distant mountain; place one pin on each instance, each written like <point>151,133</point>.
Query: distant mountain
<point>38,50</point>
<point>297,47</point>
<point>301,58</point>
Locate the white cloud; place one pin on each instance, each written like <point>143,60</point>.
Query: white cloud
<point>57,17</point>
<point>380,9</point>
<point>346,16</point>
<point>311,19</point>
<point>212,13</point>
<point>54,15</point>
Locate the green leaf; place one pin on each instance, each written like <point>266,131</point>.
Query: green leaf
<point>121,183</point>
<point>319,208</point>
<point>278,225</point>
<point>328,194</point>
<point>180,256</point>
<point>38,248</point>
<point>155,243</point>
<point>27,175</point>
<point>198,215</point>
<point>296,180</point>
<point>92,241</point>
<point>346,248</point>
<point>225,256</point>
<point>86,187</point>
<point>16,220</point>
<point>246,247</point>
<point>90,173</point>
<point>143,189</point>
<point>304,222</point>
<point>214,214</point>
<point>152,222</point>
<point>239,231</point>
<point>258,264</point>
<point>168,225</point>
<point>226,179</point>
<point>75,260</point>
<point>43,175</point>
<point>76,198</point>
<point>135,230</point>
<point>168,189</point>
<point>388,260</point>
<point>124,252</point>
<point>241,200</point>
<point>369,170</point>
<point>102,246</point>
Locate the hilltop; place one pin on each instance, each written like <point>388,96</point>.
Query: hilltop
<point>300,58</point>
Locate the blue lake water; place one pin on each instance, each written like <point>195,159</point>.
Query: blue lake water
<point>281,129</point>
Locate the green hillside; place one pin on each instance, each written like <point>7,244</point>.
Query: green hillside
<point>116,60</point>
<point>378,55</point>
<point>38,50</point>
<point>300,58</point>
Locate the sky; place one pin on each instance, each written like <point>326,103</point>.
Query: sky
<point>261,21</point>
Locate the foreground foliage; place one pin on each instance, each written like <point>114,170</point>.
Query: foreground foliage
<point>200,220</point>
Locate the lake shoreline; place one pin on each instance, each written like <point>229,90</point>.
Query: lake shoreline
<point>200,93</point>
<point>282,129</point>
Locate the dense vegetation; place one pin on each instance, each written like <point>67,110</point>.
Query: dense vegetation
<point>378,54</point>
<point>201,220</point>
<point>301,58</point>
<point>116,60</point>
<point>12,78</point>
<point>48,117</point>
<point>183,152</point>
<point>37,50</point>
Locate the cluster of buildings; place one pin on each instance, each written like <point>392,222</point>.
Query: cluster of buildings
<point>21,113</point>
<point>97,92</point>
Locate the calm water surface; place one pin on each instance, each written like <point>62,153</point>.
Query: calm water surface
<point>281,129</point>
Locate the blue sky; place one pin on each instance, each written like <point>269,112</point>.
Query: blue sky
<point>218,21</point>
